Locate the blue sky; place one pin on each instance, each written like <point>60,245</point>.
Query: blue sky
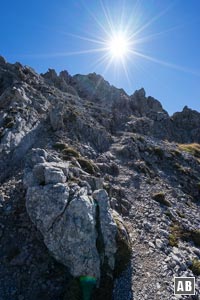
<point>46,34</point>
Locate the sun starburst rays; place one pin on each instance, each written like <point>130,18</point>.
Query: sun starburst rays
<point>119,40</point>
<point>118,43</point>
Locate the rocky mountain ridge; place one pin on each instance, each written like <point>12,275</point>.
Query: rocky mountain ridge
<point>116,170</point>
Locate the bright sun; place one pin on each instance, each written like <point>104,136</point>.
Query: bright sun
<point>118,46</point>
<point>119,39</point>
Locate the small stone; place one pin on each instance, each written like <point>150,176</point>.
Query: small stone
<point>147,225</point>
<point>158,286</point>
<point>151,245</point>
<point>175,250</point>
<point>178,297</point>
<point>164,233</point>
<point>159,244</point>
<point>175,258</point>
<point>167,259</point>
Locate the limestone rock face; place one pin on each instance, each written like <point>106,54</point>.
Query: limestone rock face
<point>145,105</point>
<point>68,226</point>
<point>56,117</point>
<point>95,88</point>
<point>187,126</point>
<point>61,81</point>
<point>22,110</point>
<point>69,219</point>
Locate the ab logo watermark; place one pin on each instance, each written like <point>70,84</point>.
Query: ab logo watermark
<point>184,285</point>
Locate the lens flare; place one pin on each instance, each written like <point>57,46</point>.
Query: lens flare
<point>118,46</point>
<point>120,40</point>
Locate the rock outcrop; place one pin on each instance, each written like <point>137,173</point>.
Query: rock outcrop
<point>94,184</point>
<point>70,218</point>
<point>93,87</point>
<point>186,126</point>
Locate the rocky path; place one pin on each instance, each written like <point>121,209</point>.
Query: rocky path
<point>154,262</point>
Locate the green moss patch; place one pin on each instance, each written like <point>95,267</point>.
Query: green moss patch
<point>87,165</point>
<point>173,240</point>
<point>60,146</point>
<point>160,197</point>
<point>66,150</point>
<point>195,267</point>
<point>177,233</point>
<point>195,236</point>
<point>124,251</point>
<point>193,149</point>
<point>71,152</point>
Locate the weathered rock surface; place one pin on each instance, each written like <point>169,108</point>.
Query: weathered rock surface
<point>186,125</point>
<point>70,220</point>
<point>94,87</point>
<point>82,164</point>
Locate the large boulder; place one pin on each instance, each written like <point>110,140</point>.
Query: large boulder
<point>78,228</point>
